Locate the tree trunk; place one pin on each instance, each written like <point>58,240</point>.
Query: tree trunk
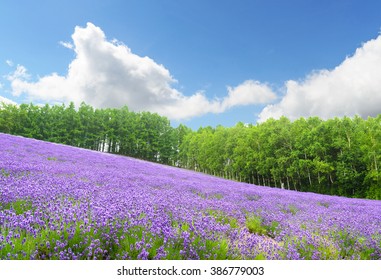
<point>288,183</point>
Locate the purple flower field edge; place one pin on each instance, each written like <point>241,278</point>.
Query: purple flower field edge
<point>61,202</point>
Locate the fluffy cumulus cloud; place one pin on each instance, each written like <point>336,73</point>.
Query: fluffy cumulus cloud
<point>352,88</point>
<point>249,92</point>
<point>108,74</point>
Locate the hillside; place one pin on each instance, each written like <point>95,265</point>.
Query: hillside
<point>338,156</point>
<point>62,202</point>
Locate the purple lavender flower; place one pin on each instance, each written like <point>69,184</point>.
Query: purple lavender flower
<point>91,205</point>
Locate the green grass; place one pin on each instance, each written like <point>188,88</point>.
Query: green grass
<point>290,209</point>
<point>52,158</point>
<point>351,245</point>
<point>217,196</point>
<point>336,245</point>
<point>222,218</point>
<point>255,225</point>
<point>324,204</point>
<point>19,206</point>
<point>20,174</point>
<point>4,172</point>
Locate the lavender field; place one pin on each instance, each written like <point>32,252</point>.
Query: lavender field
<point>60,202</point>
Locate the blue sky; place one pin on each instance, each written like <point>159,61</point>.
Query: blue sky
<point>197,62</point>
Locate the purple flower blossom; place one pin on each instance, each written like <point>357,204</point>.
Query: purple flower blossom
<point>91,205</point>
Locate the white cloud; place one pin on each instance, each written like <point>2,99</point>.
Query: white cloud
<point>6,100</point>
<point>20,73</point>
<point>249,92</point>
<point>67,45</point>
<point>9,62</point>
<point>353,87</point>
<point>108,74</point>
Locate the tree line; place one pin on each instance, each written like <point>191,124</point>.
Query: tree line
<point>339,156</point>
<point>141,135</point>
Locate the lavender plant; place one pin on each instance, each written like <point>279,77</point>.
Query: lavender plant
<point>60,202</point>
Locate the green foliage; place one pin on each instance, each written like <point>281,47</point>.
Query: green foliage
<point>255,225</point>
<point>142,135</point>
<point>223,218</point>
<point>324,204</point>
<point>272,229</point>
<point>374,192</point>
<point>292,209</point>
<point>4,172</point>
<point>350,244</point>
<point>52,158</point>
<point>339,156</point>
<point>260,256</point>
<point>19,206</point>
<point>307,249</point>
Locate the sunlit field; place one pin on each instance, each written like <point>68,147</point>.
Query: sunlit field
<point>61,202</point>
